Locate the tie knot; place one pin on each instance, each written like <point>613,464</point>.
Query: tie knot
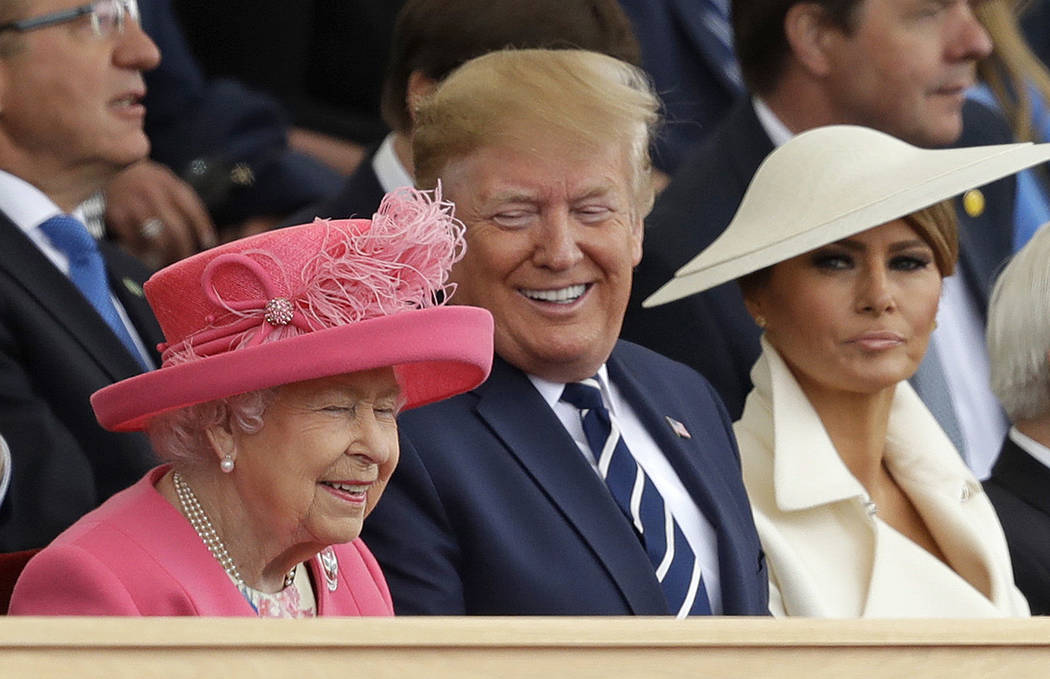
<point>585,395</point>
<point>69,235</point>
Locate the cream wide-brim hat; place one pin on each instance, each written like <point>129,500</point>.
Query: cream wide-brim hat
<point>830,183</point>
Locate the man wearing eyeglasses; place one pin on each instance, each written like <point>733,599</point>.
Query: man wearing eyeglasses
<point>72,317</point>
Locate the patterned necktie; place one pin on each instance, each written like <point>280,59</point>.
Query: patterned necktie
<point>677,568</point>
<point>715,15</point>
<point>931,385</point>
<point>87,270</point>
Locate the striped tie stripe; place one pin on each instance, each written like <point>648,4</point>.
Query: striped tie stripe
<point>675,564</point>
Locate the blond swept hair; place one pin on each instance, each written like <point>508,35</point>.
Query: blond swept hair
<point>584,99</point>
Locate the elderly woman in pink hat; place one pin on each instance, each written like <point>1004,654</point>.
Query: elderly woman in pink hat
<point>863,505</point>
<point>288,357</point>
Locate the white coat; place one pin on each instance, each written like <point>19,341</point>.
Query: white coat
<point>829,554</point>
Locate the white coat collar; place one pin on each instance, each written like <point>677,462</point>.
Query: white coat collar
<point>808,471</point>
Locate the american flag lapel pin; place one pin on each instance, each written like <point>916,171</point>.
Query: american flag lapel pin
<point>678,428</point>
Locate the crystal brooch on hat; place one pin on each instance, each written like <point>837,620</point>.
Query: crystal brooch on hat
<point>279,311</point>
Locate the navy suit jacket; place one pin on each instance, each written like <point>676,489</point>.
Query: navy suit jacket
<point>711,331</point>
<point>55,351</point>
<point>493,510</point>
<point>209,130</point>
<point>1019,489</point>
<point>359,197</point>
<point>681,55</point>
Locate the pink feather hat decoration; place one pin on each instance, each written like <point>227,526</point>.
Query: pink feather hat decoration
<point>322,299</point>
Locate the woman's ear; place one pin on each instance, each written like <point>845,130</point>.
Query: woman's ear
<point>755,306</point>
<point>222,441</point>
<point>807,33</point>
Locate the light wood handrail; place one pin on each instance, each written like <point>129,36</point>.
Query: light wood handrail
<point>40,648</point>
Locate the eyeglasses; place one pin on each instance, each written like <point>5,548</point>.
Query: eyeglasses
<point>107,17</point>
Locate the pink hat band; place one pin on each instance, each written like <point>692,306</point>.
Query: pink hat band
<point>311,301</point>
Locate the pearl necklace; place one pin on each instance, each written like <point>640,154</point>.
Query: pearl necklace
<point>191,507</point>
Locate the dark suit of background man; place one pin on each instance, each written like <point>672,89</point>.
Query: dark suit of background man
<point>1019,349</point>
<point>878,63</point>
<point>497,506</point>
<point>70,119</point>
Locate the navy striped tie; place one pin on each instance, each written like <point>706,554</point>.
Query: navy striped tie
<point>715,15</point>
<point>677,567</point>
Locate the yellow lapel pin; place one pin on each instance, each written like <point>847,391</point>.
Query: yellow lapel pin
<point>973,202</point>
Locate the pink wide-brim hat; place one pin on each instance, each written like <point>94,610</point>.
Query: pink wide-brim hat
<point>318,300</point>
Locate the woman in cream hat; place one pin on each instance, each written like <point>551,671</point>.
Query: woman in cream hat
<point>862,503</point>
<point>288,357</point>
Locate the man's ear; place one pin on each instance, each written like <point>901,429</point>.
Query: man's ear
<point>637,238</point>
<point>807,34</point>
<point>419,87</point>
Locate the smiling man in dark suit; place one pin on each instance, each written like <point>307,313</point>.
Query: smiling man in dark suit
<point>512,499</point>
<point>70,119</point>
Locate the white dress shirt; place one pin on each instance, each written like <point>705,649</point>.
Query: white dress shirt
<point>388,168</point>
<point>696,528</point>
<point>5,468</point>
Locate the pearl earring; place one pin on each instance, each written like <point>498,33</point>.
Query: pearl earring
<point>227,464</point>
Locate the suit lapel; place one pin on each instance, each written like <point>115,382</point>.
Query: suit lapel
<point>705,483</point>
<point>162,532</point>
<point>1025,477</point>
<point>60,299</point>
<point>943,492</point>
<point>532,433</point>
<point>951,522</point>
<point>750,142</point>
<point>125,285</point>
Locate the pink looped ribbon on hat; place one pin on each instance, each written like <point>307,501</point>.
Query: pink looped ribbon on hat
<point>266,313</point>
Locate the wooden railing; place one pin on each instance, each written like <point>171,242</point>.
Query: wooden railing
<point>609,648</point>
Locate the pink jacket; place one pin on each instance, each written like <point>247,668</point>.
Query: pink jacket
<point>137,555</point>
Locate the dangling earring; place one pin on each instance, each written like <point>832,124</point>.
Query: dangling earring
<point>227,464</point>
<point>760,321</point>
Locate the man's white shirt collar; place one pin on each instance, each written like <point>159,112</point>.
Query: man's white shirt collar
<point>774,126</point>
<point>28,207</point>
<point>1031,446</point>
<point>551,391</point>
<point>388,168</point>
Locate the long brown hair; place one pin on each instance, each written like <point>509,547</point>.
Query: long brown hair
<point>1011,68</point>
